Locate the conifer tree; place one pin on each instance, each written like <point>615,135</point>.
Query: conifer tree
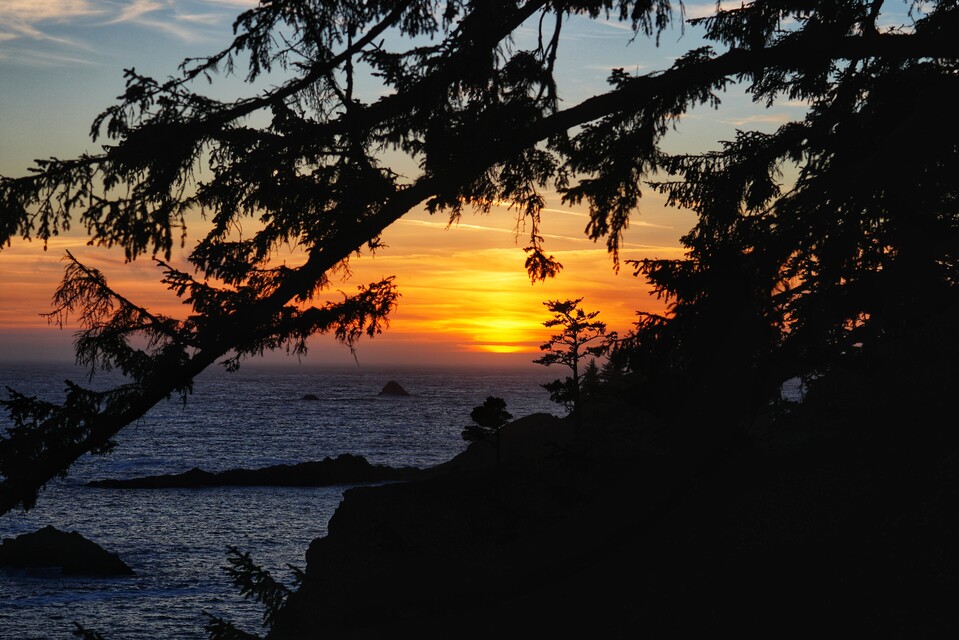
<point>581,336</point>
<point>828,247</point>
<point>488,419</point>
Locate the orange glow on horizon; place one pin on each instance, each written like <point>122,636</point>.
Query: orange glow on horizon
<point>500,348</point>
<point>464,290</point>
<point>501,330</point>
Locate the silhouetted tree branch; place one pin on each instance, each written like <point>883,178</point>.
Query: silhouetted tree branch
<point>480,118</point>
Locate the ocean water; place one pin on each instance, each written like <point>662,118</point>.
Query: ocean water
<point>176,539</point>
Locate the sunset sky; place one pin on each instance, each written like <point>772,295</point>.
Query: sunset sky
<point>465,295</point>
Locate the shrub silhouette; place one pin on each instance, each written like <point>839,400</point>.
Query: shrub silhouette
<point>489,418</point>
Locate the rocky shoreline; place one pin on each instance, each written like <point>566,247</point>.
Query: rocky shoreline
<point>789,532</point>
<point>344,469</point>
<point>818,524</point>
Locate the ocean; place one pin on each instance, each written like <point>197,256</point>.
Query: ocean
<point>176,540</point>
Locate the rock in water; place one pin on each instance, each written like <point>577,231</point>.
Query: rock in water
<point>393,388</point>
<point>344,469</point>
<point>310,397</point>
<point>50,547</point>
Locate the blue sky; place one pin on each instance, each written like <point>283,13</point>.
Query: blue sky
<point>61,61</point>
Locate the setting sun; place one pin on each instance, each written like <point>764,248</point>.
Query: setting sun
<point>501,334</point>
<point>501,348</point>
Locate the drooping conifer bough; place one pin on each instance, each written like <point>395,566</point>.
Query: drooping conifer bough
<point>829,232</point>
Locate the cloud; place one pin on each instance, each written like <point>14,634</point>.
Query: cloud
<point>168,17</point>
<point>463,226</point>
<point>135,11</point>
<point>604,28</point>
<point>32,11</point>
<point>705,9</point>
<point>43,58</point>
<point>762,118</point>
<point>614,24</point>
<point>633,223</point>
<point>210,19</point>
<point>23,18</point>
<point>40,20</point>
<point>235,4</point>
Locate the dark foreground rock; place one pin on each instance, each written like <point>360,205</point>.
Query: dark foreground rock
<point>344,469</point>
<point>71,552</point>
<point>789,534</point>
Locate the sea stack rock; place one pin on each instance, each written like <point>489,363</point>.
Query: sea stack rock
<point>393,388</point>
<point>50,547</point>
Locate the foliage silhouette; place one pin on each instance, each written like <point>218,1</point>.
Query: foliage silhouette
<point>580,336</point>
<point>256,583</point>
<point>826,241</point>
<point>252,581</point>
<point>825,249</point>
<point>814,242</point>
<point>488,419</point>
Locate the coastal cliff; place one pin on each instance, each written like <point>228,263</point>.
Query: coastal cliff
<point>797,530</point>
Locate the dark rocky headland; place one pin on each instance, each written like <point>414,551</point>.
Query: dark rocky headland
<point>344,469</point>
<point>819,524</point>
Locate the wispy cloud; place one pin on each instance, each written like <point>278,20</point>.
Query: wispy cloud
<point>613,24</point>
<point>235,4</point>
<point>455,225</point>
<point>47,20</point>
<point>25,18</point>
<point>34,57</point>
<point>32,11</point>
<point>580,214</point>
<point>704,9</point>
<point>173,19</point>
<point>567,212</point>
<point>762,118</point>
<point>459,227</point>
<point>209,19</point>
<point>465,226</point>
<point>575,238</point>
<point>604,28</point>
<point>134,11</point>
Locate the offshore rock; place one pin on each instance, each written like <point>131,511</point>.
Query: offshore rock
<point>393,388</point>
<point>344,469</point>
<point>50,547</point>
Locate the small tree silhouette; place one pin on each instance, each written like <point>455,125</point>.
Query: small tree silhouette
<point>581,336</point>
<point>489,418</point>
<point>591,381</point>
